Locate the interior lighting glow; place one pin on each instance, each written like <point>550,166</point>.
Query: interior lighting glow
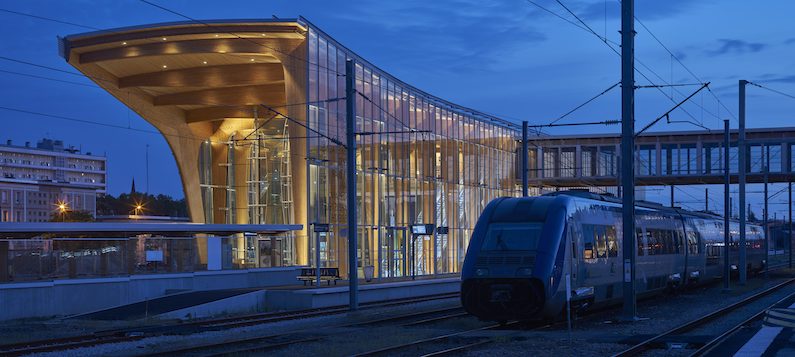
<point>164,39</point>
<point>204,62</point>
<point>164,66</point>
<point>124,43</point>
<point>252,60</point>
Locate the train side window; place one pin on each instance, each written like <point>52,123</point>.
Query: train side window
<point>668,245</point>
<point>654,243</point>
<point>612,241</point>
<point>692,243</point>
<point>601,241</point>
<point>587,238</point>
<point>677,242</point>
<point>640,242</point>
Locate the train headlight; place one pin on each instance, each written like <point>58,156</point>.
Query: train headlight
<point>482,272</point>
<point>524,272</point>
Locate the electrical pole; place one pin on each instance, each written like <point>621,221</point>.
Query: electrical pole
<point>743,167</point>
<point>673,203</point>
<point>524,159</point>
<point>147,169</point>
<point>350,175</point>
<point>627,157</point>
<point>706,200</point>
<point>766,159</point>
<point>789,236</point>
<point>726,204</point>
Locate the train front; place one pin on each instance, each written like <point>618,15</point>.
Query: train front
<point>515,259</point>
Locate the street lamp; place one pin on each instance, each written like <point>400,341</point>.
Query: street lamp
<point>62,207</point>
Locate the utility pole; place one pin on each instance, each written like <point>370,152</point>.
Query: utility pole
<point>524,158</point>
<point>706,200</point>
<point>789,236</point>
<point>766,159</point>
<point>350,175</point>
<point>627,157</point>
<point>673,203</point>
<point>743,167</point>
<point>147,169</point>
<point>726,204</point>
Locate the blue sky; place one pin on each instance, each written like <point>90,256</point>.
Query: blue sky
<point>508,58</point>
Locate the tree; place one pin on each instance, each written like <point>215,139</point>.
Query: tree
<point>126,203</point>
<point>71,216</point>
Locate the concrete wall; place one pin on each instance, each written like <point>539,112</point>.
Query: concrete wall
<point>77,296</point>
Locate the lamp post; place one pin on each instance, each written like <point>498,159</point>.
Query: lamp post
<point>62,208</point>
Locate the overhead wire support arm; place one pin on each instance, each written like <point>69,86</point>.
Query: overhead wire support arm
<point>669,85</point>
<point>666,114</point>
<point>584,104</point>
<point>335,141</point>
<point>552,125</point>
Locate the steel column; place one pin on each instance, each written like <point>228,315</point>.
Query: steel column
<point>524,159</point>
<point>627,157</point>
<point>350,175</point>
<point>789,236</point>
<point>726,204</point>
<point>741,152</point>
<point>766,159</point>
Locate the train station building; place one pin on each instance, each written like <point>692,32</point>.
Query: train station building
<point>254,114</point>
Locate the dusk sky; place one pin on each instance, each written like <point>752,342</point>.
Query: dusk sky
<point>508,58</point>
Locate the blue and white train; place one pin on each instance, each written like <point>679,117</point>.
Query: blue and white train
<point>522,249</point>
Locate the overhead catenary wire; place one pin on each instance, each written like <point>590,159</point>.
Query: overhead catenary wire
<point>49,19</point>
<point>772,90</point>
<point>610,45</point>
<point>676,58</point>
<point>585,103</point>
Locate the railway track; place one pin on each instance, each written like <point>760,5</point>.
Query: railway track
<point>261,344</point>
<point>724,337</point>
<point>658,340</point>
<point>137,333</point>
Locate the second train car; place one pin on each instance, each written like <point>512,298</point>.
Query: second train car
<point>522,249</point>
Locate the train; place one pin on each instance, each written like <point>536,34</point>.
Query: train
<point>523,250</point>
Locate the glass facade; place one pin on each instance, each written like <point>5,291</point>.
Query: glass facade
<point>419,160</point>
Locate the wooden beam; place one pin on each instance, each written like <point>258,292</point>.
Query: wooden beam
<point>275,28</point>
<point>220,113</point>
<point>243,95</point>
<point>220,45</point>
<point>208,76</point>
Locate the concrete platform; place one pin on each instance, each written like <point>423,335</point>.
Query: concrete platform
<point>179,305</point>
<point>317,297</point>
<point>68,297</point>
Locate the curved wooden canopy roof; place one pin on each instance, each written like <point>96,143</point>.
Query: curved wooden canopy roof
<point>208,71</point>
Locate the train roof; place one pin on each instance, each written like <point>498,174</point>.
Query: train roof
<point>639,203</point>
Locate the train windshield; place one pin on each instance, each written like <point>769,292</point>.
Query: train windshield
<point>522,236</point>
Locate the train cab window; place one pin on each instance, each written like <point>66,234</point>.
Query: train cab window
<point>612,241</point>
<point>502,237</point>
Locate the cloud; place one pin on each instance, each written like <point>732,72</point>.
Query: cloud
<point>736,47</point>
<point>461,35</point>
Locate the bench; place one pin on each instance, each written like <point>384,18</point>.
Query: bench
<point>326,274</point>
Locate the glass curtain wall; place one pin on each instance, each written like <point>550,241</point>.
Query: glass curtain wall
<point>419,160</point>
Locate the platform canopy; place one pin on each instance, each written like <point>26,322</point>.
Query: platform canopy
<point>92,229</point>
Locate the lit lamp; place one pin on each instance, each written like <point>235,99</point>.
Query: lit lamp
<point>62,207</point>
<point>138,209</point>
